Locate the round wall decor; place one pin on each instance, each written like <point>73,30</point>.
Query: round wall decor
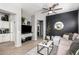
<point>59,25</point>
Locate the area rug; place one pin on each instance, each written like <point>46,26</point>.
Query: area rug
<point>44,51</point>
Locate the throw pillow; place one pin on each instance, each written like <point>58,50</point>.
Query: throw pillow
<point>70,36</point>
<point>74,36</point>
<point>48,37</point>
<point>78,36</point>
<point>52,38</point>
<point>66,36</point>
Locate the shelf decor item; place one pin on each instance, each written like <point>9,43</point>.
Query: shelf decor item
<point>28,22</point>
<point>5,18</point>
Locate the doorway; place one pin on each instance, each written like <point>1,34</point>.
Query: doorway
<point>40,29</point>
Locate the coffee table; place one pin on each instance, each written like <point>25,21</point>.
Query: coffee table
<point>43,45</point>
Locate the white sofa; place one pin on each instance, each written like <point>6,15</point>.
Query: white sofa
<point>65,44</point>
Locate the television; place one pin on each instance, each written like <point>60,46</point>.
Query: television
<point>26,29</point>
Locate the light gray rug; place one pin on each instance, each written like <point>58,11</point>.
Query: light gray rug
<point>44,51</point>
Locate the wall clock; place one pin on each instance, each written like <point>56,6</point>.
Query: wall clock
<point>59,25</point>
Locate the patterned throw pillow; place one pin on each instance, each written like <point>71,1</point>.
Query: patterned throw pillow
<point>66,37</point>
<point>48,37</point>
<point>74,36</point>
<point>70,36</point>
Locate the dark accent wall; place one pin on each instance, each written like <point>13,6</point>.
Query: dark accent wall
<point>69,19</point>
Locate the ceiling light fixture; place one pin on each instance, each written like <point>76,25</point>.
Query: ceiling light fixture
<point>50,12</point>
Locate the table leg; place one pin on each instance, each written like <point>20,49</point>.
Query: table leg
<point>47,51</point>
<point>37,48</point>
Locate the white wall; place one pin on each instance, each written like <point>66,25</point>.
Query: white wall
<point>28,18</point>
<point>34,27</point>
<point>14,9</point>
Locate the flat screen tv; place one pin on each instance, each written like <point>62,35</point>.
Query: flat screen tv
<point>26,29</point>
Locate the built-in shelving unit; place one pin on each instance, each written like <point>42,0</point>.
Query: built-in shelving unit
<point>4,27</point>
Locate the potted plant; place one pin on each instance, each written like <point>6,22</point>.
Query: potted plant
<point>49,30</point>
<point>23,20</point>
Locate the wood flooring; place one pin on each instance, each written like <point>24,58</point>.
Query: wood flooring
<point>8,48</point>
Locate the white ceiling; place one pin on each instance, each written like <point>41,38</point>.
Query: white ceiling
<point>32,8</point>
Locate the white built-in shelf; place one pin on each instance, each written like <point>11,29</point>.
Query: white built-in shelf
<point>4,24</point>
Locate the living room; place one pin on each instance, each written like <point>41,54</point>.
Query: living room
<point>28,24</point>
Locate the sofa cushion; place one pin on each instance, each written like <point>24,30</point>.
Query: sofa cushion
<point>74,47</point>
<point>64,46</point>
